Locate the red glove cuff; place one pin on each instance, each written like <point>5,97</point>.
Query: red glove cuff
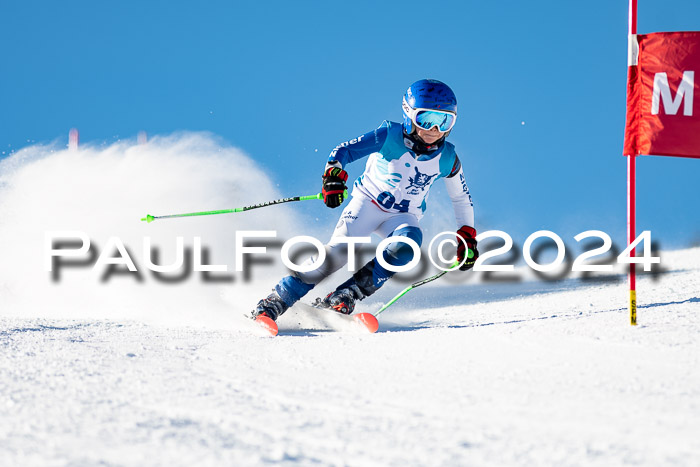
<point>467,232</point>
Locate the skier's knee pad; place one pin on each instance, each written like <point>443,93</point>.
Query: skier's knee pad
<point>400,253</point>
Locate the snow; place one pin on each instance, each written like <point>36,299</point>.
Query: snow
<point>554,378</point>
<point>473,373</point>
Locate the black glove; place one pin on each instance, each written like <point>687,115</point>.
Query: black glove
<point>468,234</point>
<point>334,186</point>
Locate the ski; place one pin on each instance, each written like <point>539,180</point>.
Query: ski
<point>267,324</point>
<point>364,321</point>
<point>368,320</point>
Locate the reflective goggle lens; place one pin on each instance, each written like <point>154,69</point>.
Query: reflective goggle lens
<point>427,119</point>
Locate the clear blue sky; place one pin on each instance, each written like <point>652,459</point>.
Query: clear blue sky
<point>283,79</point>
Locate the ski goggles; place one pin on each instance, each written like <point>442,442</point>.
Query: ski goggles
<point>426,119</point>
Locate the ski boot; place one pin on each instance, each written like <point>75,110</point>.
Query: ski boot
<point>267,311</point>
<point>342,300</point>
<point>272,307</point>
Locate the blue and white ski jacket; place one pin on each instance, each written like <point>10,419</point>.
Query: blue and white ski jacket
<point>397,179</point>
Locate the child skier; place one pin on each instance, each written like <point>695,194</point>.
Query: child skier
<point>388,198</point>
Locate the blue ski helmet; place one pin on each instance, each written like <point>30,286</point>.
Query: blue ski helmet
<point>427,94</point>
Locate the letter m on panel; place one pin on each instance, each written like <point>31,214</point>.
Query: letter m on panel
<point>662,92</point>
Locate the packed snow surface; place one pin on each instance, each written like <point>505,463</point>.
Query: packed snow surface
<point>547,378</point>
<point>460,372</point>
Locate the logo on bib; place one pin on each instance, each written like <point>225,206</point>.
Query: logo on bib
<point>419,182</point>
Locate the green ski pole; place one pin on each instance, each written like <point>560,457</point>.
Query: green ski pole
<point>149,218</point>
<point>421,282</point>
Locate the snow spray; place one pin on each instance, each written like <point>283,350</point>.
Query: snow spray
<point>101,190</point>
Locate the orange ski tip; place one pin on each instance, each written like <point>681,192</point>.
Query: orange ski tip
<point>368,320</point>
<point>268,324</point>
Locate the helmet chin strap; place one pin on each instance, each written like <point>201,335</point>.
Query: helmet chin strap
<point>416,144</point>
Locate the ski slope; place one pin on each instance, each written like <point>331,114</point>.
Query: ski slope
<point>544,378</point>
<point>482,374</point>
